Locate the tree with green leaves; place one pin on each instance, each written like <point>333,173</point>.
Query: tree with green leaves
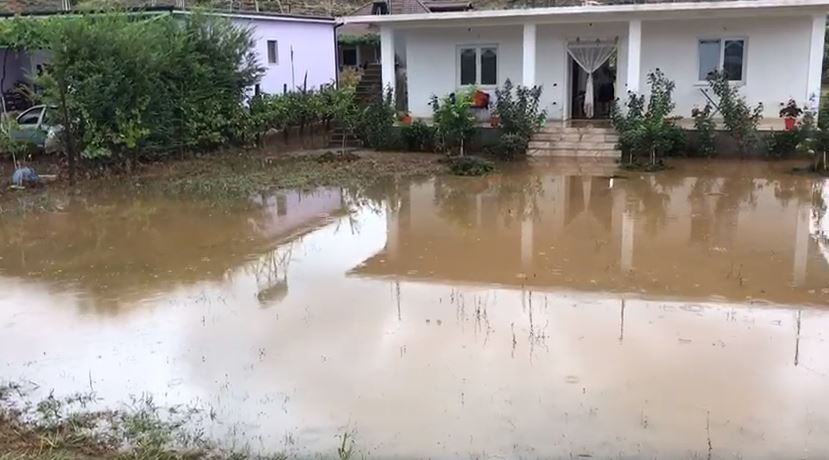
<point>739,118</point>
<point>453,119</point>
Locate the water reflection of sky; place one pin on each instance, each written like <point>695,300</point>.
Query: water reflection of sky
<point>430,366</point>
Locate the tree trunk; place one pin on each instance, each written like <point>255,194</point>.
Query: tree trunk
<point>67,129</point>
<point>3,79</point>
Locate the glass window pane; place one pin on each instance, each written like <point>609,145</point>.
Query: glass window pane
<point>733,59</point>
<point>709,57</point>
<point>489,66</point>
<point>469,63</point>
<point>273,52</point>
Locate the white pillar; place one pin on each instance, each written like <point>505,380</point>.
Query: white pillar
<point>527,244</point>
<point>801,245</point>
<point>528,71</point>
<point>815,62</point>
<point>387,58</point>
<point>628,228</point>
<point>634,54</point>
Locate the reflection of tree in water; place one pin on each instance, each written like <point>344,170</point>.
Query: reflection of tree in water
<point>650,200</point>
<point>792,188</point>
<point>271,274</point>
<point>113,251</point>
<point>819,211</point>
<point>455,198</point>
<point>701,213</point>
<point>519,194</point>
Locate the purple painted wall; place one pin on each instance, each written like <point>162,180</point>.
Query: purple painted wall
<point>313,49</point>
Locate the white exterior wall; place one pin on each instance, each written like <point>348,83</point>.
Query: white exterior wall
<point>552,69</point>
<point>314,52</point>
<point>776,59</point>
<point>432,60</point>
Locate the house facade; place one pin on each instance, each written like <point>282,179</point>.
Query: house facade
<point>773,49</point>
<point>290,48</point>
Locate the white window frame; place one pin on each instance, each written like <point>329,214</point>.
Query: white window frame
<point>722,40</point>
<point>477,47</point>
<point>275,51</point>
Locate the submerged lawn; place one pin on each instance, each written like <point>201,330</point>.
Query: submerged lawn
<point>227,176</point>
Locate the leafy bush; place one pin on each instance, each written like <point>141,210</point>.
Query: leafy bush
<point>470,166</point>
<point>9,146</point>
<point>739,118</point>
<point>784,143</point>
<point>518,110</point>
<point>418,136</point>
<point>705,127</point>
<point>815,142</point>
<point>652,134</point>
<point>510,147</point>
<point>376,124</point>
<point>126,87</point>
<point>454,120</point>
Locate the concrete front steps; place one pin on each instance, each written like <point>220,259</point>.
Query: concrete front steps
<point>558,140</point>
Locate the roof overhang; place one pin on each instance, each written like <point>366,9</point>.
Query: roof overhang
<point>601,13</point>
<point>260,16</point>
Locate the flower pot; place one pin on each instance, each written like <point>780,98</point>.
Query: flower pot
<point>406,119</point>
<point>790,123</point>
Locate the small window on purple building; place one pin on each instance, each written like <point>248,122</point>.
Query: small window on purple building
<point>273,52</point>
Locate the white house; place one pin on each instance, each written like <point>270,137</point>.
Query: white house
<point>772,48</point>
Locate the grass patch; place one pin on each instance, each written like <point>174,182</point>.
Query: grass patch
<point>66,429</point>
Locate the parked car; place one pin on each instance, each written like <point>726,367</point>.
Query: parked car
<point>39,126</point>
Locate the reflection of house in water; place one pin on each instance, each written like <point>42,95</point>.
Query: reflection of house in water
<point>286,215</point>
<point>288,212</point>
<point>672,234</point>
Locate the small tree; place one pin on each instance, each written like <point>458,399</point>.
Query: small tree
<point>375,127</point>
<point>454,120</point>
<point>704,125</point>
<point>519,114</point>
<point>739,118</point>
<point>652,133</point>
<point>345,113</point>
<point>815,142</point>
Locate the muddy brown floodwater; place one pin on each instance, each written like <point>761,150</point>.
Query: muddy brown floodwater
<point>551,311</point>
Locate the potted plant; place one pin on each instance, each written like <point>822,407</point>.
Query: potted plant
<point>790,113</point>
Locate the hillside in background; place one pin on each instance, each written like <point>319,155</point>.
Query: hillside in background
<point>314,7</point>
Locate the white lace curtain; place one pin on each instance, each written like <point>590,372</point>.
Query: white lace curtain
<point>590,56</point>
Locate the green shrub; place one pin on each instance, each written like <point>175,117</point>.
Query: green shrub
<point>418,137</point>
<point>740,119</point>
<point>815,142</point>
<point>376,125</point>
<point>518,109</point>
<point>470,166</point>
<point>127,88</point>
<point>705,127</point>
<point>454,121</point>
<point>653,134</point>
<point>511,147</point>
<point>784,143</point>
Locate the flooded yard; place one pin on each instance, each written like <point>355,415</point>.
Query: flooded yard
<point>554,310</point>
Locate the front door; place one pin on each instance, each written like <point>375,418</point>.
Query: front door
<point>592,67</point>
